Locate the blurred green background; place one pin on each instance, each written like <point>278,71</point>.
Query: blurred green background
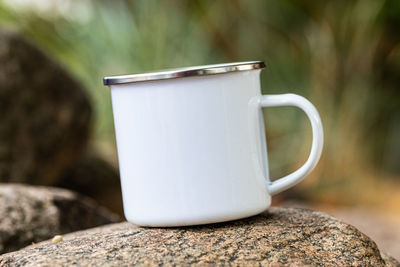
<point>342,55</point>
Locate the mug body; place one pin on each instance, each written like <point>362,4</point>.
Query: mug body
<point>186,149</point>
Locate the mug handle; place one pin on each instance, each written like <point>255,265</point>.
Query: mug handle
<point>290,180</point>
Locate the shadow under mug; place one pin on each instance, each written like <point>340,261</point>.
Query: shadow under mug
<point>191,144</point>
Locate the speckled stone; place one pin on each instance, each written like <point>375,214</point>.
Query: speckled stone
<point>32,214</point>
<point>45,115</point>
<point>277,237</point>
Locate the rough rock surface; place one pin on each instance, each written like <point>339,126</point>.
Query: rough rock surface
<point>389,260</point>
<point>379,224</point>
<point>32,214</point>
<point>278,237</point>
<point>94,177</point>
<point>44,114</point>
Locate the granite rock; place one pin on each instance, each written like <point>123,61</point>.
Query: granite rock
<point>389,260</point>
<point>32,214</point>
<point>44,113</point>
<point>277,237</point>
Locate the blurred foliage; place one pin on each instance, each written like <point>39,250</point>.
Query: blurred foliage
<point>342,55</point>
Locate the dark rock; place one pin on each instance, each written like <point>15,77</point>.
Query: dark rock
<point>32,214</point>
<point>44,114</point>
<point>277,237</point>
<point>96,178</point>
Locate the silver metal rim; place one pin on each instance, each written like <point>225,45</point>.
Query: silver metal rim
<point>184,72</point>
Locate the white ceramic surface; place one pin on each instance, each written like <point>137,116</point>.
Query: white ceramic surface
<point>192,150</point>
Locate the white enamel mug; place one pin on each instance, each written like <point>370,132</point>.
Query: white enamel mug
<point>191,144</point>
